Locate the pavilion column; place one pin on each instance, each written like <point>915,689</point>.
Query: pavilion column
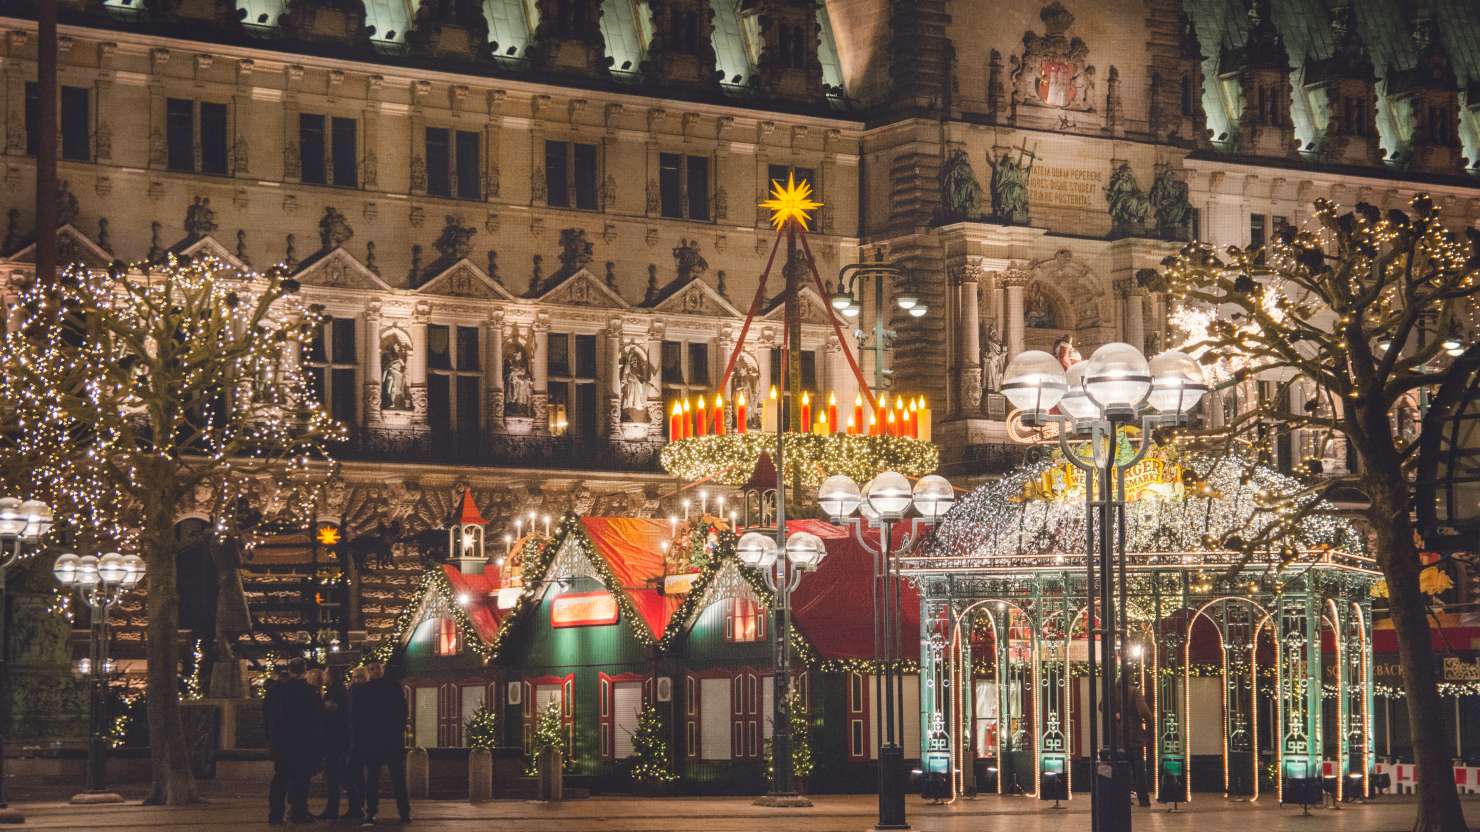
<point>493,329</point>
<point>1132,299</point>
<point>371,398</point>
<point>1013,281</point>
<point>968,396</point>
<point>541,395</point>
<point>416,368</point>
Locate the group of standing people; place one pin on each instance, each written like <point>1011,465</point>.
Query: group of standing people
<point>350,729</point>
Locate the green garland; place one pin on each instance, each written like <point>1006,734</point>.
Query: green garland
<point>731,459</point>
<point>652,759</point>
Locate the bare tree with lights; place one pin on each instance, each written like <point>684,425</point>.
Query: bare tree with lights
<point>131,391</point>
<point>1352,318</point>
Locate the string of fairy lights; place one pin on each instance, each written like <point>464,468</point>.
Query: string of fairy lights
<point>730,459</point>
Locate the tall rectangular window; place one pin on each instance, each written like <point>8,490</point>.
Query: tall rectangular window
<point>76,137</point>
<point>311,149</point>
<point>344,144</point>
<point>330,363</point>
<point>571,367</point>
<point>1257,234</point>
<point>778,173</point>
<point>570,175</point>
<point>683,185</point>
<point>469,180</point>
<point>685,370</point>
<point>214,142</point>
<point>454,379</point>
<point>179,134</point>
<point>439,161</point>
<point>809,369</point>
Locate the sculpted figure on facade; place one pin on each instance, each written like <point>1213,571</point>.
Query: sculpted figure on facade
<point>1170,201</point>
<point>1039,311</point>
<point>960,193</point>
<point>395,384</point>
<point>334,229</point>
<point>688,260</point>
<point>1065,351</point>
<point>1128,203</point>
<point>994,359</point>
<point>636,375</point>
<point>746,379</point>
<point>1010,171</point>
<point>200,219</point>
<point>519,374</point>
<point>456,241</point>
<point>576,251</point>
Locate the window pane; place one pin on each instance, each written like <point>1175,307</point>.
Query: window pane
<point>559,358</point>
<point>438,357</point>
<point>698,188</point>
<point>311,149</point>
<point>316,345</point>
<point>313,378</point>
<point>807,175</point>
<point>586,176</point>
<point>670,184</point>
<point>344,341</point>
<point>33,99</point>
<point>213,138</point>
<point>343,399</point>
<point>439,408</point>
<point>586,356</point>
<point>469,183</point>
<point>74,115</point>
<point>346,153</point>
<point>672,362</point>
<point>1256,229</point>
<point>776,173</point>
<point>180,134</point>
<point>698,363</point>
<point>585,415</point>
<point>557,193</point>
<point>776,369</point>
<point>467,405</point>
<point>439,160</point>
<point>559,401</point>
<point>809,369</point>
<point>467,348</point>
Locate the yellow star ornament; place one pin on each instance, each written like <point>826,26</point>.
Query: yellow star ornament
<point>791,201</point>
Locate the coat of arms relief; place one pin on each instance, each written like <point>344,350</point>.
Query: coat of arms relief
<point>1052,79</point>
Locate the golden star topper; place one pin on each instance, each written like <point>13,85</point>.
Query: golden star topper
<point>791,201</point>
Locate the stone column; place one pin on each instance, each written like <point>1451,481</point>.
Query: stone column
<point>494,332</point>
<point>659,406</point>
<point>416,368</point>
<point>614,378</point>
<point>371,348</point>
<point>1132,300</point>
<point>765,342</point>
<point>1013,281</point>
<point>541,397</point>
<point>968,340</point>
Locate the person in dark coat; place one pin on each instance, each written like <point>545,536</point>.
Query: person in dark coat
<point>1140,719</point>
<point>291,710</point>
<point>340,775</point>
<point>378,738</point>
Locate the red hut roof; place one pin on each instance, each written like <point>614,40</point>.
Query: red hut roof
<point>834,606</point>
<point>482,593</point>
<point>633,548</point>
<point>469,514</point>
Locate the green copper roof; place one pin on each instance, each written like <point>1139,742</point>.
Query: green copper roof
<point>509,25</point>
<point>391,19</point>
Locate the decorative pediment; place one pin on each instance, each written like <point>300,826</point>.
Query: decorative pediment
<point>697,298</point>
<point>813,308</point>
<point>464,279</point>
<point>209,246</point>
<point>582,288</point>
<point>72,247</point>
<point>338,269</point>
<point>727,582</point>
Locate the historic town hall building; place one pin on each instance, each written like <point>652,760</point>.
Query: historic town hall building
<point>533,224</point>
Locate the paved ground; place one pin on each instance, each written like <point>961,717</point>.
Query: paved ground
<point>830,814</point>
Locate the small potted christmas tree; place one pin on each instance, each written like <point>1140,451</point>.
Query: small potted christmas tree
<point>549,752</point>
<point>801,745</point>
<point>652,758</point>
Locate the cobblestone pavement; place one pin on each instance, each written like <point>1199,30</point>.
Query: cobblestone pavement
<point>830,814</point>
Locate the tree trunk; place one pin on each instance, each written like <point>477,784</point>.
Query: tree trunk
<point>169,756</point>
<point>1439,808</point>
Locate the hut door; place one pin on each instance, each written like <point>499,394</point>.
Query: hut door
<point>449,716</point>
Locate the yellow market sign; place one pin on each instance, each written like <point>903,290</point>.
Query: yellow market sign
<point>1151,477</point>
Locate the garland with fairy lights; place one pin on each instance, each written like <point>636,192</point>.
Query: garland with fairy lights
<point>731,459</point>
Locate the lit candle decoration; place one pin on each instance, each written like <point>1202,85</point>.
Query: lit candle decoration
<point>547,525</point>
<point>672,526</point>
<point>806,411</point>
<point>924,420</point>
<point>873,425</point>
<point>832,413</point>
<point>819,427</point>
<point>891,428</point>
<point>883,409</point>
<point>675,422</point>
<point>719,502</point>
<point>900,417</point>
<point>740,426</point>
<point>686,509</point>
<point>518,527</point>
<point>852,427</point>
<point>701,423</point>
<point>857,420</point>
<point>703,504</point>
<point>719,415</point>
<point>732,520</point>
<point>914,418</point>
<point>508,545</point>
<point>688,426</point>
<point>769,411</point>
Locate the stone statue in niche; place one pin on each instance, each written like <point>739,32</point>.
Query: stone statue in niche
<point>688,260</point>
<point>961,196</point>
<point>395,384</point>
<point>334,229</point>
<point>1039,311</point>
<point>1170,201</point>
<point>636,374</point>
<point>519,374</point>
<point>1010,172</point>
<point>746,379</point>
<point>1052,71</point>
<point>1127,202</point>
<point>994,359</point>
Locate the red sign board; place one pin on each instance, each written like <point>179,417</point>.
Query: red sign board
<point>583,609</point>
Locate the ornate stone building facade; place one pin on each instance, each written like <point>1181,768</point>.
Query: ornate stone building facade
<point>532,223</point>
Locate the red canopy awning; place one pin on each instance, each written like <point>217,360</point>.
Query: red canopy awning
<point>834,606</point>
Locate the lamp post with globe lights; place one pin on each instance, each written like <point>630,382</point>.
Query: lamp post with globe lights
<point>1096,401</point>
<point>847,299</point>
<point>100,582</point>
<point>879,505</point>
<point>782,566</point>
<point>23,525</point>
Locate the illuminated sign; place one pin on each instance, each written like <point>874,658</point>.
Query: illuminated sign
<point>1151,477</point>
<point>583,609</point>
<point>328,535</point>
<point>680,584</point>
